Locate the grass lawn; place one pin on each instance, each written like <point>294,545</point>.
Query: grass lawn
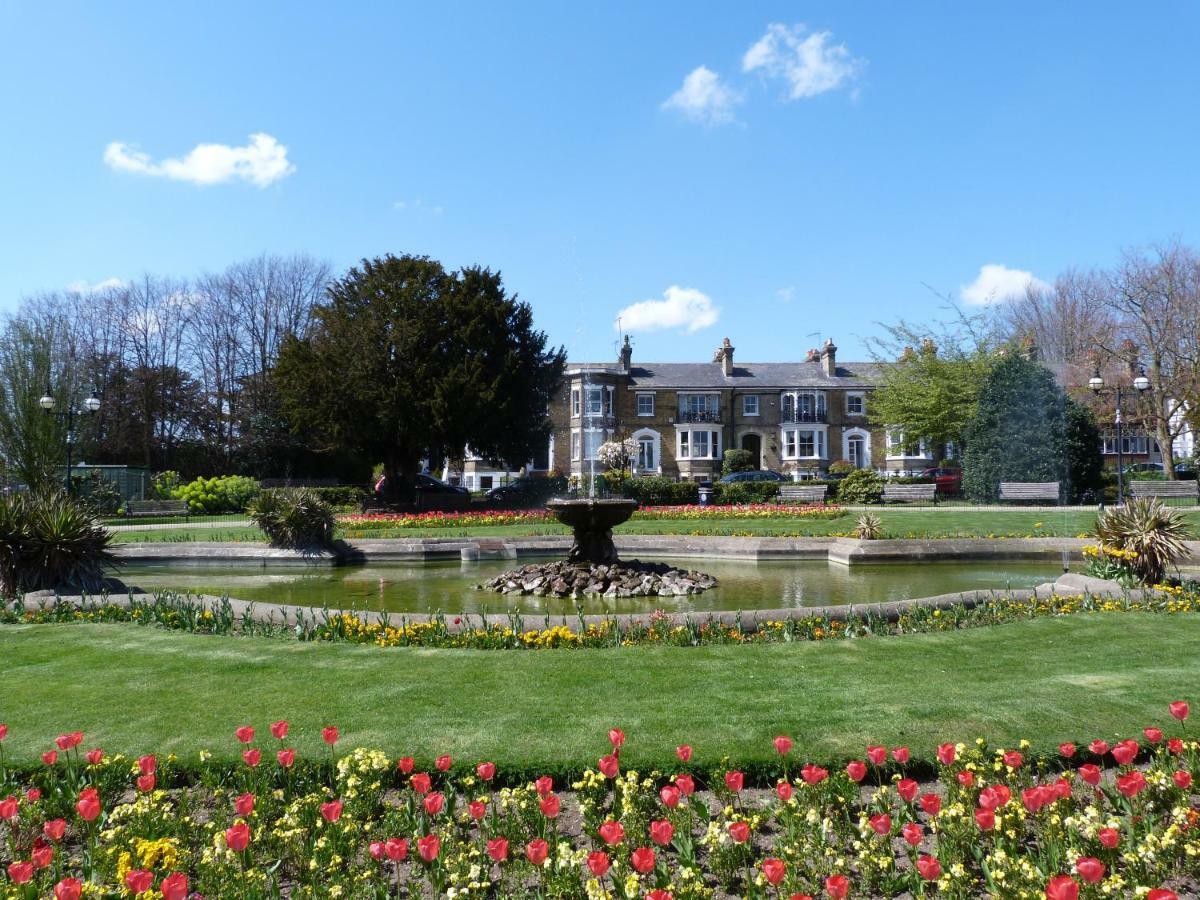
<point>134,689</point>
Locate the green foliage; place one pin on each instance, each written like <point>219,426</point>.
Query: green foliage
<point>742,492</point>
<point>343,496</point>
<point>1018,432</point>
<point>1151,535</point>
<point>658,491</point>
<point>841,467</point>
<point>50,541</point>
<point>222,494</point>
<point>861,486</point>
<point>405,358</point>
<point>100,494</point>
<point>737,461</point>
<point>1085,464</point>
<point>164,485</point>
<point>293,518</point>
<point>869,527</point>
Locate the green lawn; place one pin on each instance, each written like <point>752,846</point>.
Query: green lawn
<point>136,689</point>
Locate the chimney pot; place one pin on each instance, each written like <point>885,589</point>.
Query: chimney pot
<point>829,358</point>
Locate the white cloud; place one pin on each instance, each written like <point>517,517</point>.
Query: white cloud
<point>418,205</point>
<point>261,162</point>
<point>684,308</point>
<point>83,287</point>
<point>703,98</point>
<point>997,283</point>
<point>809,62</point>
<point>786,294</point>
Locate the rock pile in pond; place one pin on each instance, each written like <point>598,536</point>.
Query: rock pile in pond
<point>623,579</point>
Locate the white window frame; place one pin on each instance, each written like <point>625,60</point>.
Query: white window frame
<point>861,397</point>
<point>644,397</point>
<point>576,444</point>
<point>593,408</point>
<point>575,407</point>
<point>746,404</point>
<point>790,441</point>
<point>655,439</point>
<point>895,441</point>
<point>709,407</point>
<point>820,404</point>
<point>1131,444</point>
<point>685,443</point>
<point>865,436</point>
<point>601,435</point>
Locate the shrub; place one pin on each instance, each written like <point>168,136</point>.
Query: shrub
<point>737,461</point>
<point>98,493</point>
<point>869,527</point>
<point>164,484</point>
<point>1151,535</point>
<point>224,494</point>
<point>742,492</point>
<point>51,541</point>
<point>1085,462</point>
<point>841,467</point>
<point>293,518</point>
<point>344,496</point>
<point>861,486</point>
<point>658,491</point>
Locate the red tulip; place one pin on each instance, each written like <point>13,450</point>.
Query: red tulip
<point>857,770</point>
<point>966,778</point>
<point>443,763</point>
<point>598,863</point>
<point>252,757</point>
<point>1013,759</point>
<point>881,823</point>
<point>3,731</point>
<point>486,771</point>
<point>43,854</point>
<point>801,897</point>
<point>734,781</point>
<point>659,894</point>
<point>429,847</point>
<point>237,837</point>
<point>661,832</point>
<point>94,756</point>
<point>478,809</point>
<point>20,872</point>
<point>913,833</point>
<point>929,868</point>
<point>245,734</point>
<point>33,795</point>
<point>1090,869</point>
<point>330,735</point>
<point>147,764</point>
<point>670,796</point>
<point>50,757</point>
<point>139,880</point>
<point>946,754</point>
<point>1131,784</point>
<point>784,790</point>
<point>536,851</point>
<point>995,796</point>
<point>1067,750</point>
<point>433,803</point>
<point>55,829</point>
<point>405,764</point>
<point>8,807</point>
<point>497,849</point>
<point>985,819</point>
<point>684,752</point>
<point>1109,838</point>
<point>544,785</point>
<point>931,804</point>
<point>287,758</point>
<point>900,754</point>
<point>1036,797</point>
<point>1182,779</point>
<point>88,805</point>
<point>907,789</point>
<point>551,806</point>
<point>642,859</point>
<point>396,849</point>
<point>332,811</point>
<point>783,745</point>
<point>1098,747</point>
<point>612,832</point>
<point>616,737</point>
<point>686,785</point>
<point>609,765</point>
<point>68,889</point>
<point>1153,735</point>
<point>837,887</point>
<point>739,831</point>
<point>1179,710</point>
<point>774,870</point>
<point>69,741</point>
<point>421,783</point>
<point>813,775</point>
<point>1162,894</point>
<point>376,851</point>
<point>1090,773</point>
<point>1125,752</point>
<point>145,783</point>
<point>1062,887</point>
<point>877,755</point>
<point>1175,745</point>
<point>174,886</point>
<point>279,730</point>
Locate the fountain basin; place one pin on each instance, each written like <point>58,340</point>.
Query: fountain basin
<point>592,522</point>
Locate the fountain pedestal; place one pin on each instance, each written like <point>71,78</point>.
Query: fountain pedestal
<point>592,522</point>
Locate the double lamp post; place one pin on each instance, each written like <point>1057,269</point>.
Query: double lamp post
<point>90,405</point>
<point>1141,384</point>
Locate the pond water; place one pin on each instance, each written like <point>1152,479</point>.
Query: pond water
<point>449,587</point>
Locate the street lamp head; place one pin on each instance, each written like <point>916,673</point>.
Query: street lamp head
<point>1142,383</point>
<point>92,403</point>
<point>1096,383</point>
<point>47,402</point>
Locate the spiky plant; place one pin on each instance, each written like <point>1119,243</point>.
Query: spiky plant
<point>14,539</point>
<point>293,518</point>
<point>1153,534</point>
<point>869,527</point>
<point>64,545</point>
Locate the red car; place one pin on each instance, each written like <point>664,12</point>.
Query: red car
<point>948,481</point>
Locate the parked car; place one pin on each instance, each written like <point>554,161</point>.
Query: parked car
<point>948,481</point>
<point>753,475</point>
<point>430,485</point>
<point>1185,471</point>
<point>1145,468</point>
<point>524,492</point>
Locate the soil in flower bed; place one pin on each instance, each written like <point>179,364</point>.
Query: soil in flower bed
<point>624,579</point>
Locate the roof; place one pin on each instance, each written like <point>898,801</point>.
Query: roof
<point>747,376</point>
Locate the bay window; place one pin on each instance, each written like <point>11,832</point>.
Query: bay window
<point>804,443</point>
<point>698,443</point>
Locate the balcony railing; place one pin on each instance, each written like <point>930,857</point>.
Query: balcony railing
<point>705,416</point>
<point>804,416</point>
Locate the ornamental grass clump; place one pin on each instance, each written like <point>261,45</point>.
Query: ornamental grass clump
<point>1148,537</point>
<point>51,541</point>
<point>293,518</point>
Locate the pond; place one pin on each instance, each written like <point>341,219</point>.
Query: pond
<point>449,587</point>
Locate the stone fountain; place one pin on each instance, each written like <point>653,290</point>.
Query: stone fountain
<point>592,567</point>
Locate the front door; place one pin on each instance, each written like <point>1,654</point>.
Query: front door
<point>753,444</point>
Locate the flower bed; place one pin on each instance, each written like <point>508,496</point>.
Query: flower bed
<point>1107,819</point>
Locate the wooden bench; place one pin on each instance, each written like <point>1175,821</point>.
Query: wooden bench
<point>792,493</point>
<point>137,508</point>
<point>909,493</point>
<point>1164,490</point>
<point>1029,490</point>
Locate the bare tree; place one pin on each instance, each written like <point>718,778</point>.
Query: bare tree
<point>1067,322</point>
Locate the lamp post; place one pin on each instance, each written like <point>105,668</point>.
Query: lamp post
<point>90,406</point>
<point>1141,384</point>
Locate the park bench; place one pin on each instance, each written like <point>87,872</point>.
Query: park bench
<point>792,493</point>
<point>909,493</point>
<point>1024,491</point>
<point>137,508</point>
<point>1164,490</point>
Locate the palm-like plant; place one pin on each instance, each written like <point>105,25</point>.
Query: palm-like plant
<point>293,518</point>
<point>869,527</point>
<point>65,547</point>
<point>1153,534</point>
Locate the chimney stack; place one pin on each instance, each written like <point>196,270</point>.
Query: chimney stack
<point>829,358</point>
<point>724,356</point>
<point>626,357</point>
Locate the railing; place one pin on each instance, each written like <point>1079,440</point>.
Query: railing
<point>803,416</point>
<point>707,416</point>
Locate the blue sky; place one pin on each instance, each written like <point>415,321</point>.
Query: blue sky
<point>829,161</point>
